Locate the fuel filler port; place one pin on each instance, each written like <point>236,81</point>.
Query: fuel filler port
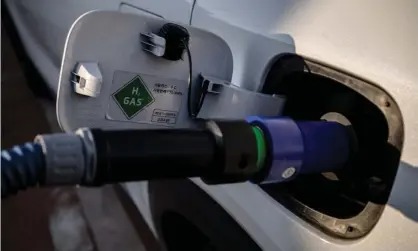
<point>348,202</point>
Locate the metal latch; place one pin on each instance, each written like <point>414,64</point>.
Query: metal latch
<point>87,79</point>
<point>219,99</point>
<point>153,43</point>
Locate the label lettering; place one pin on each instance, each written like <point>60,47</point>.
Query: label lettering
<point>132,101</point>
<point>126,101</point>
<point>135,91</point>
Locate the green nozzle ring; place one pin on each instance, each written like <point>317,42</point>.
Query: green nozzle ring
<point>261,146</point>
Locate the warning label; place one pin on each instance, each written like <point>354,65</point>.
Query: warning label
<point>133,97</point>
<point>145,98</point>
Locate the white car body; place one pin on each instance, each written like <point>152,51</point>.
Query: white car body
<point>375,40</point>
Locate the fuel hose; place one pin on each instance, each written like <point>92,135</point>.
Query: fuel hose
<point>260,150</point>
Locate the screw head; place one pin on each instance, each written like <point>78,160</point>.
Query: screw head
<point>288,172</point>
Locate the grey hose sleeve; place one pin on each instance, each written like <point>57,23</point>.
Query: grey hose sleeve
<point>69,157</point>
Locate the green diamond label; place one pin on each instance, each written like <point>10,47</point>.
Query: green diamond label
<point>133,97</point>
<point>148,99</point>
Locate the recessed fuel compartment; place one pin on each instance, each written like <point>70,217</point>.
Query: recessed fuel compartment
<point>348,202</point>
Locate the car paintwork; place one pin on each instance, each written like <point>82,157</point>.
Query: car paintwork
<point>375,40</point>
